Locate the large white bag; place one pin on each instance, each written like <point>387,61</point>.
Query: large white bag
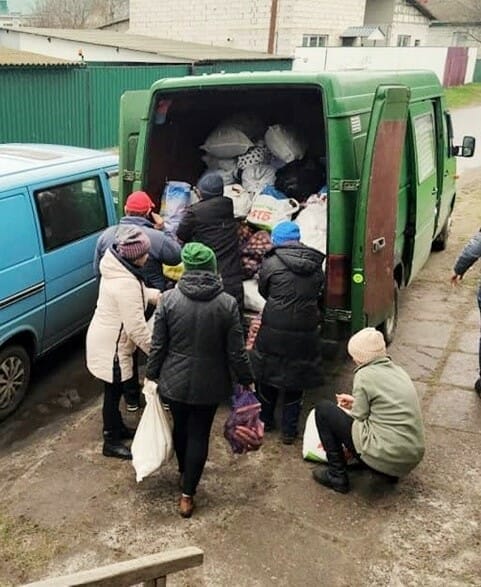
<point>152,446</point>
<point>312,449</point>
<point>285,143</point>
<point>267,211</point>
<point>241,199</point>
<point>312,222</point>
<point>256,177</point>
<point>226,142</point>
<point>252,298</point>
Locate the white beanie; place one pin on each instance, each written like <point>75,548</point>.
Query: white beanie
<point>366,345</point>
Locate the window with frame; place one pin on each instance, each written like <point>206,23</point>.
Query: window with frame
<point>404,40</point>
<point>70,212</point>
<point>315,40</point>
<point>425,146</point>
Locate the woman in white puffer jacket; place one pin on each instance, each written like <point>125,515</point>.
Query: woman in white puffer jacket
<point>118,327</point>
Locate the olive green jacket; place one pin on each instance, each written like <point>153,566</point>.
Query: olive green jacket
<point>388,429</point>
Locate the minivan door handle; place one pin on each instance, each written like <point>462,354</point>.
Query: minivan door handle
<point>378,244</point>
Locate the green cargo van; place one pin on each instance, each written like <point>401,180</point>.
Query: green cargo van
<point>387,141</point>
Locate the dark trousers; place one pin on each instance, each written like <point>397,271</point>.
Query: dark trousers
<point>291,408</point>
<point>131,387</point>
<point>335,429</point>
<point>192,425</point>
<point>479,354</point>
<point>110,411</point>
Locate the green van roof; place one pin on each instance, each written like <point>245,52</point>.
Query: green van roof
<point>347,92</point>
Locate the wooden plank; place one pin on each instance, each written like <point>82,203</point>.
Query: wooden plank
<point>131,572</point>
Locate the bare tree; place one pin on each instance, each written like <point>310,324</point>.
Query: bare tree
<point>78,14</point>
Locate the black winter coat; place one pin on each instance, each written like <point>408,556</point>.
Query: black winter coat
<point>212,223</point>
<point>286,353</point>
<point>198,342</point>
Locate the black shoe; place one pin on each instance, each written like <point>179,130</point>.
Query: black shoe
<point>116,450</point>
<point>338,482</point>
<point>477,387</point>
<point>132,407</point>
<point>288,438</point>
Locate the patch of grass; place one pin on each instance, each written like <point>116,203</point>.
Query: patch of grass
<point>462,96</point>
<point>25,548</point>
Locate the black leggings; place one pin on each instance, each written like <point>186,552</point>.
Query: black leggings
<point>335,428</point>
<point>110,411</point>
<point>192,425</point>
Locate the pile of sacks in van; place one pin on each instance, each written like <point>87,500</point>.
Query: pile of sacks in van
<point>269,178</point>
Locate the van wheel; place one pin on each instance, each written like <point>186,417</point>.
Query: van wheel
<point>441,241</point>
<point>389,326</point>
<point>15,367</point>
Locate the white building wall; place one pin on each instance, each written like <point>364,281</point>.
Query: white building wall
<point>407,20</point>
<point>451,36</point>
<point>244,24</point>
<point>69,50</point>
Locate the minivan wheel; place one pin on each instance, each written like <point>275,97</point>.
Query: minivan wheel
<point>15,369</point>
<point>441,241</point>
<point>389,326</point>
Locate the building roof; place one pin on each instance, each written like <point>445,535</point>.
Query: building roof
<point>15,58</point>
<point>454,11</point>
<point>171,51</point>
<point>372,33</point>
<point>113,23</point>
<point>423,7</point>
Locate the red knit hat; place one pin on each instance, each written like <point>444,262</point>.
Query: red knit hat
<point>139,202</point>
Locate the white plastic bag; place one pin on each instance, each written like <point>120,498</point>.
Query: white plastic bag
<point>241,199</point>
<point>252,298</point>
<point>175,199</point>
<point>285,143</point>
<point>312,449</point>
<point>152,446</point>
<point>267,211</point>
<point>256,177</point>
<point>226,142</point>
<point>312,222</point>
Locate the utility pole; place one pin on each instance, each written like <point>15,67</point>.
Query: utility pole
<point>272,27</point>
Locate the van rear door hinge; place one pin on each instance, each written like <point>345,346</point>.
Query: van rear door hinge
<point>129,175</point>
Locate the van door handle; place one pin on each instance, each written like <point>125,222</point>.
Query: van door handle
<point>378,244</point>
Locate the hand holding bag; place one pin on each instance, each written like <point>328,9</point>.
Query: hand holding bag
<point>152,446</point>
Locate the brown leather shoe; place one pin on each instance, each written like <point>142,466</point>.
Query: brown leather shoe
<point>186,506</point>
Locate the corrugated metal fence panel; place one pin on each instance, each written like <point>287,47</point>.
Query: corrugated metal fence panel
<point>44,105</point>
<point>477,72</point>
<point>108,83</point>
<point>238,66</point>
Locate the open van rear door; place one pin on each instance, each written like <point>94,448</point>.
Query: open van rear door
<point>133,106</point>
<point>372,291</point>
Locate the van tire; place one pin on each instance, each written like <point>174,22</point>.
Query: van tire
<point>15,369</point>
<point>440,243</point>
<point>389,326</point>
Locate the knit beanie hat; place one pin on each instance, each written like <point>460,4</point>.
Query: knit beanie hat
<point>131,242</point>
<point>139,202</point>
<point>366,345</point>
<point>211,185</point>
<point>284,232</point>
<point>198,257</point>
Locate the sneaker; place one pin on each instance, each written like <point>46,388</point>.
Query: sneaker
<point>186,506</point>
<point>477,387</point>
<point>132,407</point>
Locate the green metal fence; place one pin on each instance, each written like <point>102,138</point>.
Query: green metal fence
<point>80,105</point>
<point>477,72</point>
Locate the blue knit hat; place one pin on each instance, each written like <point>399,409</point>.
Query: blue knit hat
<point>284,232</point>
<point>210,186</point>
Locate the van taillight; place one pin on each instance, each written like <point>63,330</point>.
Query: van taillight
<point>337,272</point>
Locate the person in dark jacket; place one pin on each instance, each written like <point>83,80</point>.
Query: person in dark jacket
<point>211,222</point>
<point>468,256</point>
<point>286,355</point>
<point>196,344</point>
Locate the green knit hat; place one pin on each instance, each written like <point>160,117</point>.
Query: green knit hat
<point>198,257</point>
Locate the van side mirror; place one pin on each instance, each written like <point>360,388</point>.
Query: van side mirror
<point>466,149</point>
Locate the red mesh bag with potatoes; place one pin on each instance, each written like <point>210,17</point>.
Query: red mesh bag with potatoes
<point>244,430</point>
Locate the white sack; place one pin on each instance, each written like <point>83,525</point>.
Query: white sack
<point>226,142</point>
<point>252,298</point>
<point>241,199</point>
<point>312,449</point>
<point>256,177</point>
<point>312,222</point>
<point>285,143</point>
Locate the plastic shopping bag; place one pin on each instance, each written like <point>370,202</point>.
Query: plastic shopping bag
<point>252,298</point>
<point>176,198</point>
<point>267,211</point>
<point>312,449</point>
<point>152,446</point>
<point>243,429</point>
<point>312,222</point>
<point>241,199</point>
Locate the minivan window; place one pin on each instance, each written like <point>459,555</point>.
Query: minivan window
<point>71,211</point>
<point>425,146</point>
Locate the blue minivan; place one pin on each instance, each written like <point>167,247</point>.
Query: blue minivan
<point>54,203</point>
